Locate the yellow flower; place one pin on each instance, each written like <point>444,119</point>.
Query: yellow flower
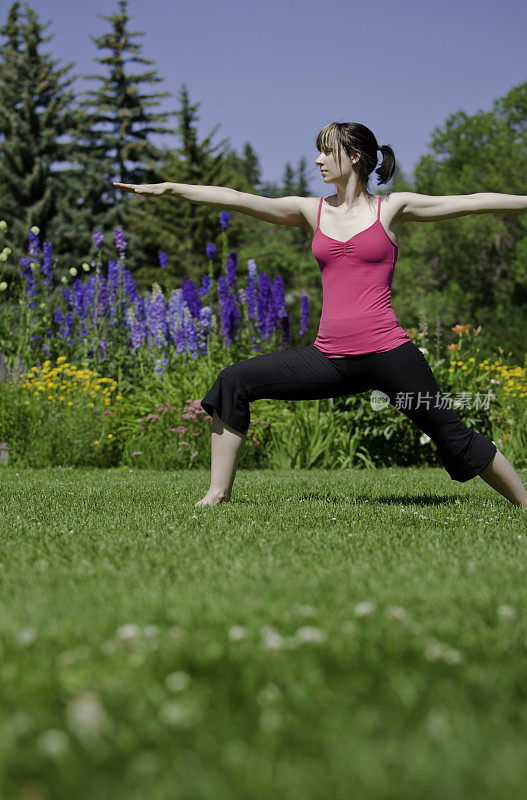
<point>110,436</point>
<point>96,441</point>
<point>472,359</point>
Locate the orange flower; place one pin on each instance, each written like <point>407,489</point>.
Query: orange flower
<point>459,329</point>
<point>452,347</point>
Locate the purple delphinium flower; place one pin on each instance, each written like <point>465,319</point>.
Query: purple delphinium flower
<point>120,241</point>
<point>156,316</point>
<point>191,334</point>
<point>160,364</point>
<point>210,249</point>
<point>231,264</point>
<point>266,309</point>
<point>47,263</point>
<point>129,285</point>
<point>251,268</point>
<point>79,303</point>
<point>98,238</point>
<point>34,246</point>
<point>285,325</point>
<point>112,288</point>
<point>224,219</point>
<point>229,311</point>
<point>278,291</point>
<point>135,319</point>
<point>176,306</point>
<point>31,288</point>
<point>204,331</point>
<point>304,313</point>
<point>190,296</point>
<point>163,260</point>
<point>206,283</point>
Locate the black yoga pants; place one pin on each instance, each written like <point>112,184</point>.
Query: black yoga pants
<point>306,373</point>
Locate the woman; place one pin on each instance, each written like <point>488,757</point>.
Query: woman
<point>360,345</point>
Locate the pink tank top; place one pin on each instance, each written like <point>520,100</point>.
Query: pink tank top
<point>357,316</point>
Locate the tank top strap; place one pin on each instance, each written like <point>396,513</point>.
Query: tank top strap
<point>379,208</point>
<point>319,210</point>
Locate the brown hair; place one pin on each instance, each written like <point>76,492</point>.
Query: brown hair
<point>356,139</point>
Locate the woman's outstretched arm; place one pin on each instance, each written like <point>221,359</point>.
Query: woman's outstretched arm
<point>487,202</point>
<point>416,207</point>
<point>277,210</point>
<point>208,195</point>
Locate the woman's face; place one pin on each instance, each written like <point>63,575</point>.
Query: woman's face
<point>329,165</point>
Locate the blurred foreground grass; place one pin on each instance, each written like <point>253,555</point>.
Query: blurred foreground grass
<point>327,634</point>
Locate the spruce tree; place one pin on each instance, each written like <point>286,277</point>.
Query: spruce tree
<point>174,225</point>
<point>35,111</point>
<point>121,151</point>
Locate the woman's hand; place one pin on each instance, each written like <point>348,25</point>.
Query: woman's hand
<point>144,188</point>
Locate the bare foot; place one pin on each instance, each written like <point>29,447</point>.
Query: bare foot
<point>212,499</point>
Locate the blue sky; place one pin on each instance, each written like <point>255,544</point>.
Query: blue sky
<point>274,73</point>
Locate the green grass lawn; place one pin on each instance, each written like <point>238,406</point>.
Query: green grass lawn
<point>328,634</point>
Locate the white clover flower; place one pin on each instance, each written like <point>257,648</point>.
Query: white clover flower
<point>27,636</point>
<point>129,631</point>
<point>3,286</point>
<point>179,714</point>
<point>3,225</point>
<point>86,716</point>
<point>452,657</point>
<point>424,438</point>
<point>270,720</point>
<point>35,230</point>
<point>396,612</point>
<point>303,610</point>
<point>364,609</point>
<point>310,634</point>
<point>437,725</point>
<point>272,640</point>
<point>507,612</point>
<point>348,627</point>
<point>177,681</point>
<point>151,631</point>
<point>269,694</point>
<point>108,647</point>
<point>53,742</point>
<point>434,651</point>
<point>73,271</point>
<point>237,633</point>
<point>85,266</point>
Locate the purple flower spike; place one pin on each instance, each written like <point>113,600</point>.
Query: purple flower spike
<point>98,238</point>
<point>304,320</point>
<point>210,249</point>
<point>224,219</point>
<point>120,241</point>
<point>163,260</point>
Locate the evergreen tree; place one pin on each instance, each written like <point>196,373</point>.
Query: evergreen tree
<point>174,225</point>
<point>35,111</point>
<point>121,150</point>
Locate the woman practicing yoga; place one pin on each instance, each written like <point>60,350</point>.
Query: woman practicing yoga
<point>360,345</point>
